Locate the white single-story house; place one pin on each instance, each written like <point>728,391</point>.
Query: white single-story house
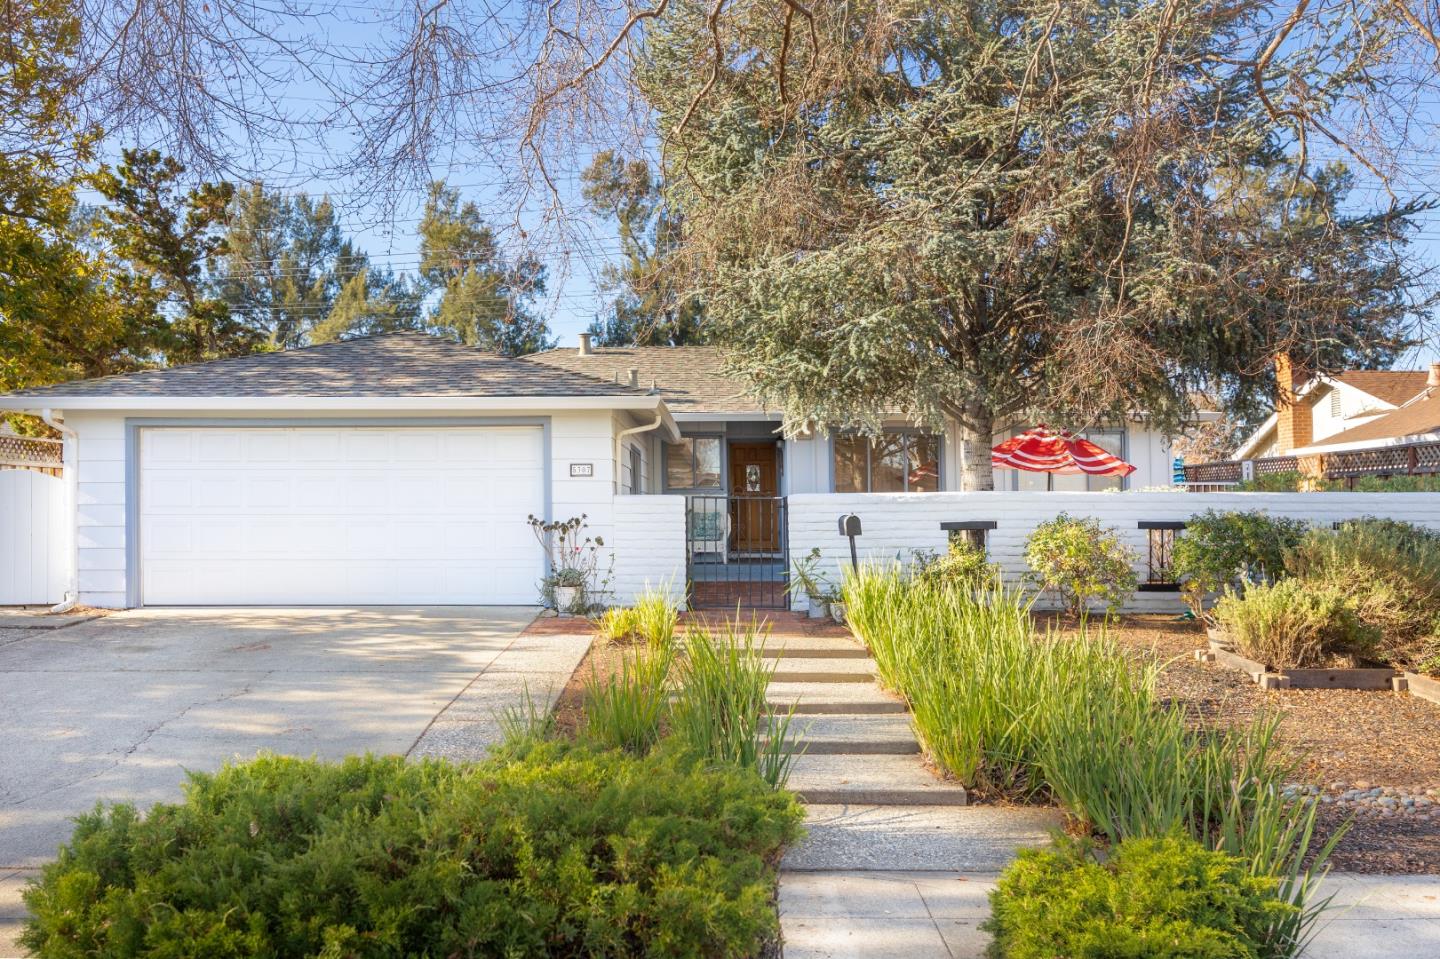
<point>401,469</point>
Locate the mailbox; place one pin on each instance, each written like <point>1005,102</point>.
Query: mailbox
<point>850,528</point>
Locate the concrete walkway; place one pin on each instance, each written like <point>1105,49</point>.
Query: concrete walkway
<point>937,915</point>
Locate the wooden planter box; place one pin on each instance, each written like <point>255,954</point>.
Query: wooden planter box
<point>1423,686</point>
<point>1303,678</point>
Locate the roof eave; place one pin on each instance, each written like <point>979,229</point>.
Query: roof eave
<point>1382,442</point>
<point>22,403</point>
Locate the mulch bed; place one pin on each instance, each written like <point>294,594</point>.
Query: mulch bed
<point>1346,740</point>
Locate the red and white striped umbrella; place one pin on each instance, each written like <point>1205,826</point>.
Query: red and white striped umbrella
<point>1043,450</point>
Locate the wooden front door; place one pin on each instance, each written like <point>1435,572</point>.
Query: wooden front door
<point>755,492</point>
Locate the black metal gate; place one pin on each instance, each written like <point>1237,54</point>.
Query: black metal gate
<point>737,551</point>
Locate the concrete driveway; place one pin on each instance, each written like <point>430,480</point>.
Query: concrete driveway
<point>118,708</point>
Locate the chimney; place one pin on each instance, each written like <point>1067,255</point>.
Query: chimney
<point>585,349</point>
<point>634,378</point>
<point>1294,427</point>
<point>1433,379</point>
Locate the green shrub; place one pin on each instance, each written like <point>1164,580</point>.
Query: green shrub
<point>1390,571</point>
<point>1220,550</point>
<point>1081,562</point>
<point>626,711</point>
<point>1295,624</point>
<point>964,566</point>
<point>721,711</point>
<point>549,850</point>
<point>1163,898</point>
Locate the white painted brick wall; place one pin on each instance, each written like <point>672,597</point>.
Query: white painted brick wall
<point>649,543</point>
<point>897,523</point>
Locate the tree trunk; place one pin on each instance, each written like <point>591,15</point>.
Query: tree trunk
<point>976,431</point>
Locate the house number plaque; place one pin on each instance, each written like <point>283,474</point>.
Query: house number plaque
<point>582,469</point>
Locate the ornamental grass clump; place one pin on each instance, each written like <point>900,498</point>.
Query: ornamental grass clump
<point>626,710</point>
<point>547,850</point>
<point>721,711</point>
<point>652,620</point>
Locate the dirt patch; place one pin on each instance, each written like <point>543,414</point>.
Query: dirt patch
<point>548,624</point>
<point>601,659</point>
<point>1345,741</point>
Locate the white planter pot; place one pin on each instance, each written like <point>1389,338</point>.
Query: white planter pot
<point>566,597</point>
<point>817,609</point>
<point>837,613</point>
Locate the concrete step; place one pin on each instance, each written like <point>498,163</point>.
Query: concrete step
<point>919,838</point>
<point>840,735</point>
<point>806,670</point>
<point>828,698</point>
<point>870,780</point>
<point>815,647</point>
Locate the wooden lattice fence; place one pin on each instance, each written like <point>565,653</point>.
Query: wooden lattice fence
<point>31,453</point>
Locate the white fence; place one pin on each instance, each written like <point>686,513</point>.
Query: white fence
<point>896,524</point>
<point>649,546</point>
<point>33,538</point>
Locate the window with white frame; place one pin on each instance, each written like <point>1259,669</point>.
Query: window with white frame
<point>897,461</point>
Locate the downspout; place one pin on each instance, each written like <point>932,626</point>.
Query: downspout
<point>72,493</point>
<point>620,443</point>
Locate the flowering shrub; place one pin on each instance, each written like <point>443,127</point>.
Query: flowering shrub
<point>1081,562</point>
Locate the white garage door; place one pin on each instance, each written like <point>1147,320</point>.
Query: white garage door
<point>339,516</point>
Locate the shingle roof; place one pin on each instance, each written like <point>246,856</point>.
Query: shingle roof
<point>1419,417</point>
<point>394,364</point>
<point>1391,386</point>
<point>690,378</point>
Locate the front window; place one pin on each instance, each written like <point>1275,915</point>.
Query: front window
<point>897,461</point>
<point>693,463</point>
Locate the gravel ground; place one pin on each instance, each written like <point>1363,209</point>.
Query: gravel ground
<point>1371,756</point>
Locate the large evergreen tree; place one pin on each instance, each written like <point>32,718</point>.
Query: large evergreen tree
<point>485,301</point>
<point>650,308</point>
<point>284,263</point>
<point>1011,208</point>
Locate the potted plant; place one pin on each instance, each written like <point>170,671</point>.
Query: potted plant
<point>805,577</point>
<point>836,605</point>
<point>575,560</point>
<point>567,587</point>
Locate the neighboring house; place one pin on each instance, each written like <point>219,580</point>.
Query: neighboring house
<point>1415,421</point>
<point>401,469</point>
<point>1326,406</point>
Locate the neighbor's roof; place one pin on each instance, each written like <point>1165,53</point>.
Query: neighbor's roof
<point>1417,418</point>
<point>1389,386</point>
<point>389,365</point>
<point>690,378</point>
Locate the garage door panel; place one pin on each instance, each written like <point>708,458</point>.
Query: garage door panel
<point>339,516</point>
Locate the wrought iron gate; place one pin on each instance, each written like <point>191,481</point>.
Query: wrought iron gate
<point>737,551</point>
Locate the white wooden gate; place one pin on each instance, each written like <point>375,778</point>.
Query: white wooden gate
<point>33,540</point>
